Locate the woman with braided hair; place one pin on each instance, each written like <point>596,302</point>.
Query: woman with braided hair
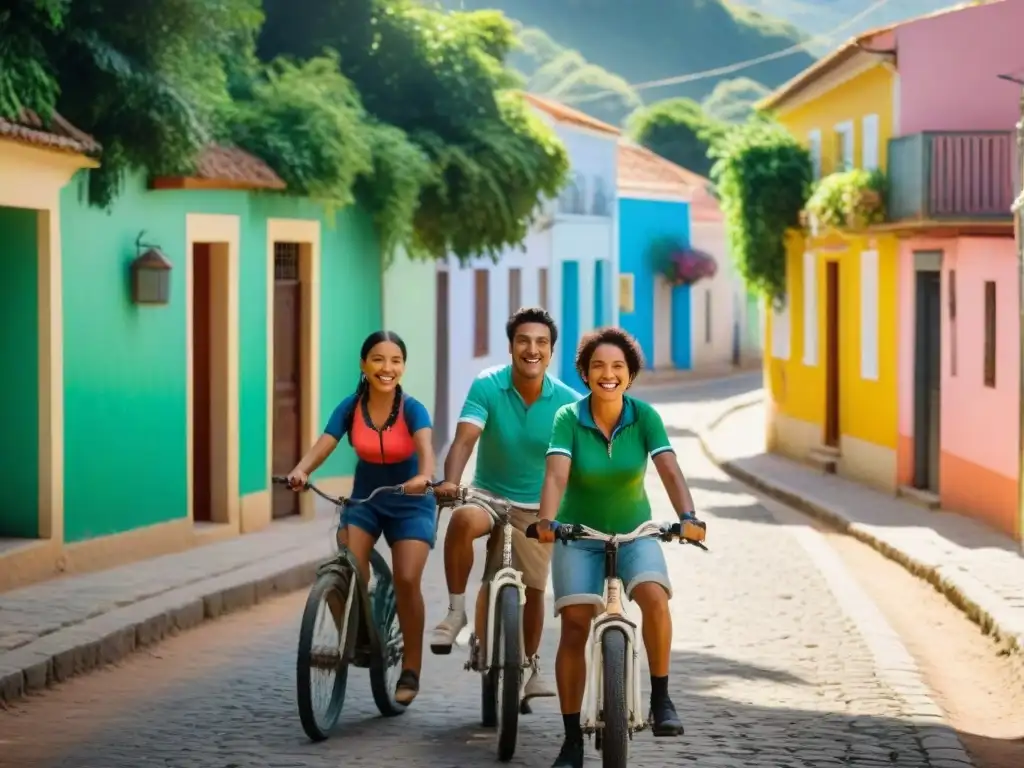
<point>391,434</point>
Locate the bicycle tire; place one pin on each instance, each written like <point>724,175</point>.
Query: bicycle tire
<point>614,705</point>
<point>488,698</point>
<point>508,678</point>
<point>318,729</point>
<point>384,608</point>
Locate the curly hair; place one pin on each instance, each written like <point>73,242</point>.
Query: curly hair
<point>526,315</point>
<point>616,337</point>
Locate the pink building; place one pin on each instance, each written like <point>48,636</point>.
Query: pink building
<point>953,182</point>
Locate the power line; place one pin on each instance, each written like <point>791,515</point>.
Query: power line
<point>740,65</point>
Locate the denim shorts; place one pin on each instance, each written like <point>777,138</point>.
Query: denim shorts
<point>577,570</point>
<point>404,525</point>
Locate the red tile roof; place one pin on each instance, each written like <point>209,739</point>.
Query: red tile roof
<point>221,167</point>
<point>57,134</point>
<point>565,114</point>
<point>642,169</point>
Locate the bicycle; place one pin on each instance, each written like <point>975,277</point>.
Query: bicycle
<point>612,704</point>
<point>500,658</point>
<point>368,634</point>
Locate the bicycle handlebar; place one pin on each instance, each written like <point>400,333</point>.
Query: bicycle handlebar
<point>566,532</point>
<point>467,495</point>
<point>343,501</point>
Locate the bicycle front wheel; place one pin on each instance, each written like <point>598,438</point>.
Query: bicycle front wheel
<point>324,653</point>
<point>614,707</point>
<point>385,667</point>
<point>507,668</point>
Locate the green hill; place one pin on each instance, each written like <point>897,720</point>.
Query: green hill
<point>598,46</point>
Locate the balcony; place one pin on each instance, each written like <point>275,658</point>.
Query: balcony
<point>952,177</point>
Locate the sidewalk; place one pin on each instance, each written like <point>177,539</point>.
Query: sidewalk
<point>67,626</point>
<point>978,569</point>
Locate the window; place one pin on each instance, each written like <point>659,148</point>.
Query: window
<point>869,315</point>
<point>580,203</point>
<point>542,287</point>
<point>814,147</point>
<point>481,312</point>
<point>780,330</point>
<point>707,316</point>
<point>600,204</point>
<point>952,322</point>
<point>844,146</point>
<point>627,298</point>
<point>990,333</point>
<point>515,290</point>
<point>810,309</point>
<point>869,143</point>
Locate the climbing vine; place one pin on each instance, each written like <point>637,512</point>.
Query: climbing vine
<point>763,177</point>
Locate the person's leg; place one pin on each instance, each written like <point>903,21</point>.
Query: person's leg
<point>643,570</point>
<point>534,560</point>
<point>576,574</point>
<point>468,524</point>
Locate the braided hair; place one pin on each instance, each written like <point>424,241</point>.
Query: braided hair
<point>360,397</point>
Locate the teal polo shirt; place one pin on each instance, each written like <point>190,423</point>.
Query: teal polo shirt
<point>606,480</point>
<point>512,447</point>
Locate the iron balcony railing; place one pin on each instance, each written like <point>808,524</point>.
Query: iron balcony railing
<point>955,175</point>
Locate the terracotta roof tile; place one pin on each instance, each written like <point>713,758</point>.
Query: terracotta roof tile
<point>642,169</point>
<point>565,114</point>
<point>58,134</point>
<point>233,165</point>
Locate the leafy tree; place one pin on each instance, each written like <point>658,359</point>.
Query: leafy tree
<point>763,177</point>
<point>144,77</point>
<point>439,81</point>
<point>678,130</point>
<point>732,101</point>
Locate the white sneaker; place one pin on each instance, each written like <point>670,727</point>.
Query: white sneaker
<point>536,687</point>
<point>443,637</point>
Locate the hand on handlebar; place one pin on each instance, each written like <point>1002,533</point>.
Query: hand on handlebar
<point>691,530</point>
<point>542,530</point>
<point>417,486</point>
<point>297,480</point>
<point>446,490</point>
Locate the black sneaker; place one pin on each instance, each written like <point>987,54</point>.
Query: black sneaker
<point>571,755</point>
<point>665,720</point>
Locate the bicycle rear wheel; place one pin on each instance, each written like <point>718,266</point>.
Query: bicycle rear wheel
<point>385,667</point>
<point>324,653</point>
<point>507,670</point>
<point>614,708</point>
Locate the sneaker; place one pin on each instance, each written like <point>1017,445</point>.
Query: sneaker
<point>443,637</point>
<point>665,720</point>
<point>571,754</point>
<point>536,686</point>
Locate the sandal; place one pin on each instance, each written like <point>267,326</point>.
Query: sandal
<point>408,687</point>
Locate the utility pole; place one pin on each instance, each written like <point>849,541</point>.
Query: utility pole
<point>1018,234</point>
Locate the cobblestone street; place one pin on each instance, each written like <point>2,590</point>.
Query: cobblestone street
<point>779,660</point>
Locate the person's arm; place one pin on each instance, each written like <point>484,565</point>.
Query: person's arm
<point>558,463</point>
<point>324,446</point>
<point>472,421</point>
<point>667,463</point>
<point>418,421</point>
<point>317,455</point>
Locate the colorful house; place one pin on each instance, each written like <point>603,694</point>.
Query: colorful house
<point>831,362</point>
<point>159,424</point>
<point>568,264</point>
<point>915,319</point>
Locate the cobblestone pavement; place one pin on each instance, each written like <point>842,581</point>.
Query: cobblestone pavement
<point>777,662</point>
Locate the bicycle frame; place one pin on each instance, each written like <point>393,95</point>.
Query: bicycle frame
<point>613,616</point>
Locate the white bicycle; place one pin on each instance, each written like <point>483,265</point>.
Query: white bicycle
<point>501,657</point>
<point>613,709</point>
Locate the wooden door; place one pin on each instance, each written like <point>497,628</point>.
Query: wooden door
<point>927,380</point>
<point>441,435</point>
<point>202,414</point>
<point>287,373</point>
<point>832,354</point>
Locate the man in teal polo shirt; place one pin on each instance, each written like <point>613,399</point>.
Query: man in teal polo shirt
<point>509,410</point>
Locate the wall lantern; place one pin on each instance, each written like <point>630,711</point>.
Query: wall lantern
<point>151,274</point>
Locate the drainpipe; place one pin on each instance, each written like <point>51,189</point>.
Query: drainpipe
<point>1018,231</point>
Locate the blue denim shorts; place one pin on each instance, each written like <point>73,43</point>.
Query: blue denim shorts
<point>577,570</point>
<point>405,525</point>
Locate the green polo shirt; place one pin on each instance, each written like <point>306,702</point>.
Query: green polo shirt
<point>606,482</point>
<point>511,452</point>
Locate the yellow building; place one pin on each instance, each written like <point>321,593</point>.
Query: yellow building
<point>831,352</point>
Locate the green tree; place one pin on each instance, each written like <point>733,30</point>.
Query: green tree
<point>438,81</point>
<point>763,178</point>
<point>144,77</point>
<point>678,130</point>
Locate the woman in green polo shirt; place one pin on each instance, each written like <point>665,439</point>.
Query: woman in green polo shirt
<point>594,475</point>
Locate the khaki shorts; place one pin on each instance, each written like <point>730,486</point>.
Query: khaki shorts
<point>529,556</point>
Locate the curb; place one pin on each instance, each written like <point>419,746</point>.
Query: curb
<point>110,637</point>
<point>977,606</point>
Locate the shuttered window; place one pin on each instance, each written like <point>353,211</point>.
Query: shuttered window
<point>481,312</point>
